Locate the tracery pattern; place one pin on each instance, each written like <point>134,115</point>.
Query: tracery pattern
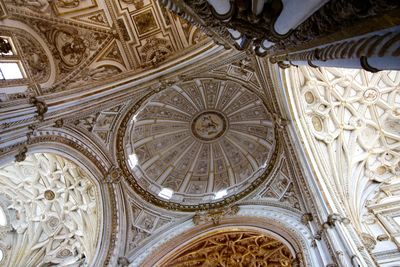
<point>236,248</point>
<point>54,213</point>
<point>351,119</point>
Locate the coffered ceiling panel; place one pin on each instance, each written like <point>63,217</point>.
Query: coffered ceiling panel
<point>204,139</point>
<point>101,40</point>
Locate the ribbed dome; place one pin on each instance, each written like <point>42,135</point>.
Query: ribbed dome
<point>201,137</point>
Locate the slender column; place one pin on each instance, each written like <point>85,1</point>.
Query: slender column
<point>294,14</point>
<point>337,15</point>
<point>221,7</point>
<point>372,52</point>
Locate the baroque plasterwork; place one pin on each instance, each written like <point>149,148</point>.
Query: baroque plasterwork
<point>100,40</point>
<point>143,223</point>
<point>233,248</point>
<point>350,119</point>
<point>260,174</point>
<point>282,187</point>
<point>218,125</point>
<point>84,135</point>
<point>101,123</point>
<point>54,212</point>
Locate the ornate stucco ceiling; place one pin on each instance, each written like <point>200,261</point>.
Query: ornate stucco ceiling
<point>233,248</point>
<point>349,120</point>
<point>80,42</point>
<point>199,138</point>
<point>52,210</point>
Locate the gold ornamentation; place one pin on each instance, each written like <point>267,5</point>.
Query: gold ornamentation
<point>145,22</point>
<point>49,194</point>
<point>235,248</point>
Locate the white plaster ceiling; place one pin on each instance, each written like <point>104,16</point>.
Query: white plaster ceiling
<point>200,138</point>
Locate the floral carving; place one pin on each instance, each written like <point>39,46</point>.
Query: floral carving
<point>41,6</point>
<point>215,216</point>
<point>234,248</point>
<point>352,122</point>
<point>53,211</point>
<point>155,51</point>
<point>36,58</point>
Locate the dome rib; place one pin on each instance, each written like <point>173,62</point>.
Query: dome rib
<point>198,138</point>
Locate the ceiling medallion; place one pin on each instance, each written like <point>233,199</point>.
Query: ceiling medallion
<point>209,125</point>
<point>49,194</point>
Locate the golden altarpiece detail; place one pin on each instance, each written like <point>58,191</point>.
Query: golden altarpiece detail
<point>235,248</point>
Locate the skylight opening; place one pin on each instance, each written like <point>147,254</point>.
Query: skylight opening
<point>133,160</point>
<point>3,218</point>
<point>10,71</point>
<point>220,194</point>
<point>166,193</point>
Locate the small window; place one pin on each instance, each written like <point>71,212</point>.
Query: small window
<point>397,220</point>
<point>10,70</point>
<point>10,62</point>
<point>166,193</point>
<point>3,218</point>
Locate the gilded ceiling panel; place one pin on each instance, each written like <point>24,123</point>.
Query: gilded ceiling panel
<point>95,41</point>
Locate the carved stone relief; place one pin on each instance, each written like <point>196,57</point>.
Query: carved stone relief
<point>142,224</point>
<point>351,120</point>
<point>53,210</point>
<point>283,188</point>
<point>235,248</point>
<point>31,54</point>
<point>86,38</point>
<point>101,124</point>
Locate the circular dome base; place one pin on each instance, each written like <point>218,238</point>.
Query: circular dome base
<point>203,143</point>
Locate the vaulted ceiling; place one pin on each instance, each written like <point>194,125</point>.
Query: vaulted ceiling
<point>80,42</point>
<point>133,100</point>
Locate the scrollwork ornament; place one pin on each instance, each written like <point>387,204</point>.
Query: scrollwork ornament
<point>306,218</point>
<point>21,156</point>
<point>235,248</point>
<point>41,107</point>
<point>215,216</point>
<point>114,175</point>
